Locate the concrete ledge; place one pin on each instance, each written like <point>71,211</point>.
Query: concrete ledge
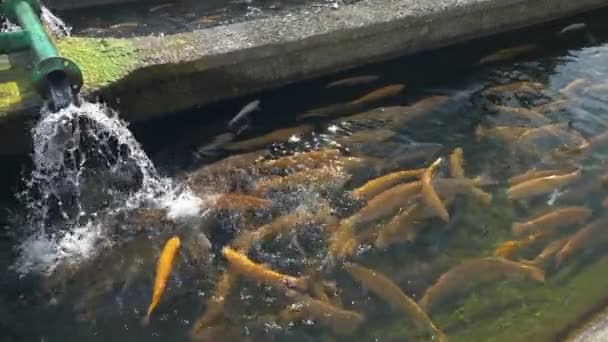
<point>203,66</point>
<point>74,4</point>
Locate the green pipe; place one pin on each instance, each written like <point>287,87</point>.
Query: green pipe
<point>39,40</point>
<point>14,41</point>
<point>49,66</point>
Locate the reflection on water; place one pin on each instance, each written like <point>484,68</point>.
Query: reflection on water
<point>469,207</point>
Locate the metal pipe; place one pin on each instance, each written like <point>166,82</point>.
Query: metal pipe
<point>39,41</point>
<point>14,42</point>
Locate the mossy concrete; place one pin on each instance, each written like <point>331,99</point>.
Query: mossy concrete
<point>148,77</point>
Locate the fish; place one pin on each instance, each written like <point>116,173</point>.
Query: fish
<point>242,265</point>
<point>240,202</point>
<point>279,135</point>
<point>555,130</point>
<point>456,161</point>
<point>380,184</point>
<point>508,248</point>
<point>326,178</point>
<point>304,160</point>
<point>161,6</point>
<point>542,185</point>
<point>449,187</point>
<point>477,271</point>
<point>341,321</point>
<point>214,310</point>
<point>379,94</point>
<point>282,224</point>
<point>505,133</point>
<point>546,257</point>
<point>572,28</point>
<point>351,81</point>
<point>163,270</point>
<point>430,195</point>
<point>387,202</point>
<point>516,87</point>
<point>552,107</point>
<point>508,54</point>
<point>368,136</point>
<point>535,173</point>
<point>385,288</point>
<point>590,235</point>
<point>400,228</point>
<point>574,85</point>
<point>560,217</point>
<point>242,114</point>
<point>522,113</point>
<point>125,26</point>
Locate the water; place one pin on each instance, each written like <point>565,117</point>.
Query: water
<point>96,211</point>
<point>57,26</point>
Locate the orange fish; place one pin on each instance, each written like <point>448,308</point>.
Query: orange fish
<point>535,173</point>
<point>380,184</point>
<point>242,265</point>
<point>428,192</point>
<point>215,305</point>
<point>508,54</point>
<point>386,289</point>
<point>559,217</point>
<point>474,272</point>
<point>163,270</point>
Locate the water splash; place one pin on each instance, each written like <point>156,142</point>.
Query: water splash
<point>57,26</point>
<point>87,166</point>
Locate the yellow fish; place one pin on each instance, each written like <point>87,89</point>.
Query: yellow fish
<point>400,228</point>
<point>574,85</point>
<point>540,186</point>
<point>477,271</point>
<point>522,113</point>
<point>163,270</point>
<point>428,192</point>
<point>508,248</point>
<point>379,94</point>
<point>386,289</point>
<point>535,173</point>
<point>508,54</point>
<point>380,184</point>
<point>559,217</point>
<point>505,133</point>
<point>546,256</point>
<point>242,265</point>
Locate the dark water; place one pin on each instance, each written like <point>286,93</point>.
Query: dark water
<point>178,16</point>
<point>105,297</point>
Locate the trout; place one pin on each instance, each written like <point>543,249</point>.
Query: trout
<point>508,248</point>
<point>508,54</point>
<point>305,160</point>
<point>574,85</point>
<point>379,94</point>
<point>506,133</point>
<point>279,135</point>
<point>214,309</point>
<point>386,289</point>
<point>557,218</point>
<point>380,184</point>
<point>326,178</point>
<point>522,113</point>
<point>477,271</point>
<point>163,270</point>
<point>242,265</point>
<point>590,235</point>
<point>351,81</point>
<point>456,162</point>
<point>402,227</point>
<point>387,202</point>
<point>240,202</point>
<point>542,185</point>
<point>546,256</point>
<point>341,321</point>
<point>516,87</point>
<point>552,107</point>
<point>535,173</point>
<point>429,195</point>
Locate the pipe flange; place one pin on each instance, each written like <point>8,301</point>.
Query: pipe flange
<point>45,67</point>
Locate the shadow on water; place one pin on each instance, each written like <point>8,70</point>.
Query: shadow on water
<point>104,298</point>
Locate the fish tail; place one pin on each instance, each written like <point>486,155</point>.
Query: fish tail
<point>484,197</point>
<point>480,132</point>
<point>537,274</point>
<point>146,320</point>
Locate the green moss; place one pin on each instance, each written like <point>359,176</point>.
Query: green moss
<point>102,60</point>
<point>15,90</point>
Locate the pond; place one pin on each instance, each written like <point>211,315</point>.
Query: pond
<point>485,220</point>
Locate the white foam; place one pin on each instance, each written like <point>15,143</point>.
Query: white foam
<point>57,26</point>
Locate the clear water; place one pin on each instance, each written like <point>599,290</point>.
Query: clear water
<point>81,245</point>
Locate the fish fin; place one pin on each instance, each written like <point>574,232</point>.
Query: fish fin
<point>537,274</point>
<point>146,320</point>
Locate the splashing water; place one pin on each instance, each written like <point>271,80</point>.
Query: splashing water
<point>87,165</point>
<point>57,26</point>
